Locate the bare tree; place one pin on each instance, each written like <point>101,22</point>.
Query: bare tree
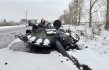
<point>75,11</point>
<point>92,3</point>
<point>73,15</point>
<point>107,16</point>
<point>65,17</point>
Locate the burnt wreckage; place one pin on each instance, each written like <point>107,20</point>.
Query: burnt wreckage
<point>47,36</point>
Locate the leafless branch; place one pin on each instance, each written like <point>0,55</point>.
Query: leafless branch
<point>100,5</point>
<point>93,3</point>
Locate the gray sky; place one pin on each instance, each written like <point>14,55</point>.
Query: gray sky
<point>48,9</point>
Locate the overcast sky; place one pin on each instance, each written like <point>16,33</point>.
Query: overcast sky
<point>48,9</point>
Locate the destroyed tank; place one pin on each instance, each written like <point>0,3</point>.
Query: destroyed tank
<point>47,36</point>
<point>50,36</point>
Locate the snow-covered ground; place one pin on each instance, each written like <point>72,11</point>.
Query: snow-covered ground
<point>15,57</point>
<point>14,60</point>
<point>94,53</point>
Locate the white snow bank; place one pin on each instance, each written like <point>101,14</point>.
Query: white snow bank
<point>94,51</point>
<point>8,27</point>
<point>13,42</point>
<point>18,45</point>
<point>92,59</point>
<point>17,60</point>
<point>12,60</point>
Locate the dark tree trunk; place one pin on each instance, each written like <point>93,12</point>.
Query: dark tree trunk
<point>90,15</point>
<point>107,16</point>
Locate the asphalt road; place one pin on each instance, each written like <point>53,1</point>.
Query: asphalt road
<point>7,35</point>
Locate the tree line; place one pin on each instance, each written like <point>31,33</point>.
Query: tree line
<point>91,11</point>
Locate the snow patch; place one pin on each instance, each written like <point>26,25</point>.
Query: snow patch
<point>46,42</point>
<point>32,39</point>
<point>38,41</point>
<point>18,45</point>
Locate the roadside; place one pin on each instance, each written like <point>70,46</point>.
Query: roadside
<point>7,34</point>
